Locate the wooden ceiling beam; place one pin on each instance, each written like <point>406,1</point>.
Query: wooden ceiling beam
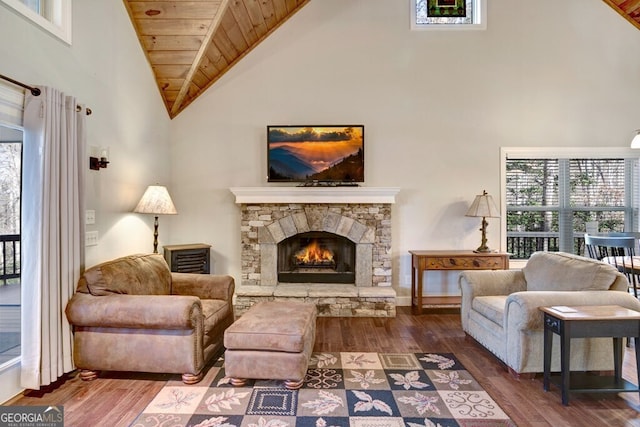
<point>628,12</point>
<point>184,91</point>
<point>190,44</point>
<point>223,70</point>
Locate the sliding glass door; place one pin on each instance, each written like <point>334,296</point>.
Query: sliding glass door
<point>10,286</point>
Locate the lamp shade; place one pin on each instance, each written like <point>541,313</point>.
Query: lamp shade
<point>156,200</point>
<point>635,142</point>
<point>483,206</point>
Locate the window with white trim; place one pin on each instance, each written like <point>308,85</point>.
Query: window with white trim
<point>552,199</point>
<point>448,14</point>
<point>11,135</point>
<point>53,16</point>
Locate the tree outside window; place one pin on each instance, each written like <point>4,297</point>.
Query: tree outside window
<point>10,174</point>
<point>552,202</point>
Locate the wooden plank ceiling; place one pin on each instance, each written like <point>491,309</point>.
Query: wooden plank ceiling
<point>191,44</point>
<point>629,9</point>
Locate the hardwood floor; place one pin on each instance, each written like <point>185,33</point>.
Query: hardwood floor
<point>115,399</point>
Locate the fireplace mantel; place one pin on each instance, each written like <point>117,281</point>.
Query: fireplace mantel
<point>248,195</point>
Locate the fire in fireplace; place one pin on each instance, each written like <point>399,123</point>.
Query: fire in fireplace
<point>316,257</point>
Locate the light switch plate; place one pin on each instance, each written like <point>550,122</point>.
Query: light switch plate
<point>89,217</point>
<point>91,238</point>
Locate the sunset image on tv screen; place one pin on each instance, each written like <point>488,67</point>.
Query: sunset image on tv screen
<point>331,153</point>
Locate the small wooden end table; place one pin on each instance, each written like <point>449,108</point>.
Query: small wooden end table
<point>422,261</point>
<point>587,322</point>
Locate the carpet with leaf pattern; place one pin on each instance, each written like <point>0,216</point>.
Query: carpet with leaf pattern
<point>340,389</point>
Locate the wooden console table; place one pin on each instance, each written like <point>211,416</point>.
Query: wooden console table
<point>422,261</point>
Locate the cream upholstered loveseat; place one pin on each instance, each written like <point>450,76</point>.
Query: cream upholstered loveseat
<point>134,314</point>
<point>500,308</point>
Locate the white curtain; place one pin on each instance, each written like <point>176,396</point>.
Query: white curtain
<point>52,232</point>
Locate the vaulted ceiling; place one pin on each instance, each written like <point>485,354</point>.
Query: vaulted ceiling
<point>629,9</point>
<point>191,44</point>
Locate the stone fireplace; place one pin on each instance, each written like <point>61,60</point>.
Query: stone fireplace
<point>330,246</point>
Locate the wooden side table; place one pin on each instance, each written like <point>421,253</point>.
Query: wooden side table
<point>191,258</point>
<point>422,261</point>
<point>586,322</point>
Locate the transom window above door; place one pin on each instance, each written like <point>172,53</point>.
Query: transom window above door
<point>448,14</point>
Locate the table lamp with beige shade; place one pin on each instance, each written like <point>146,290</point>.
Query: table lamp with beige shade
<point>156,201</point>
<point>483,206</point>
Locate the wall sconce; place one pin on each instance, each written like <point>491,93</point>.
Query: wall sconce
<point>97,163</point>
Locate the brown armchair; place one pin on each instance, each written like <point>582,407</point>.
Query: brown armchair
<point>133,314</point>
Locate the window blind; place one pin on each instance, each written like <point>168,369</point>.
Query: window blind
<point>560,196</point>
<point>11,105</point>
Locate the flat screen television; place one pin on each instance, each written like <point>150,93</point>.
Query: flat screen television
<point>331,154</point>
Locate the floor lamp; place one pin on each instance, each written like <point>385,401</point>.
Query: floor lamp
<point>157,201</point>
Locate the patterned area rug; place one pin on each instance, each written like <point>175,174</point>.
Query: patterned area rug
<point>340,389</point>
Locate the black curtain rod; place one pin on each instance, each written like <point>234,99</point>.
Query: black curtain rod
<point>34,90</point>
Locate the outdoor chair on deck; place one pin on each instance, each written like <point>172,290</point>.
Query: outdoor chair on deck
<point>617,250</point>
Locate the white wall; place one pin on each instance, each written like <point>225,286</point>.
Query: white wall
<point>437,107</point>
<point>106,69</point>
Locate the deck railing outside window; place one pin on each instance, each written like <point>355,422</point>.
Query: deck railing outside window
<point>9,257</point>
<point>521,244</point>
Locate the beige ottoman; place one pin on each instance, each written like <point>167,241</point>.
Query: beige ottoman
<point>273,341</point>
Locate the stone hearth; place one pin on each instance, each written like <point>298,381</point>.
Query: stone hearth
<point>360,214</point>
